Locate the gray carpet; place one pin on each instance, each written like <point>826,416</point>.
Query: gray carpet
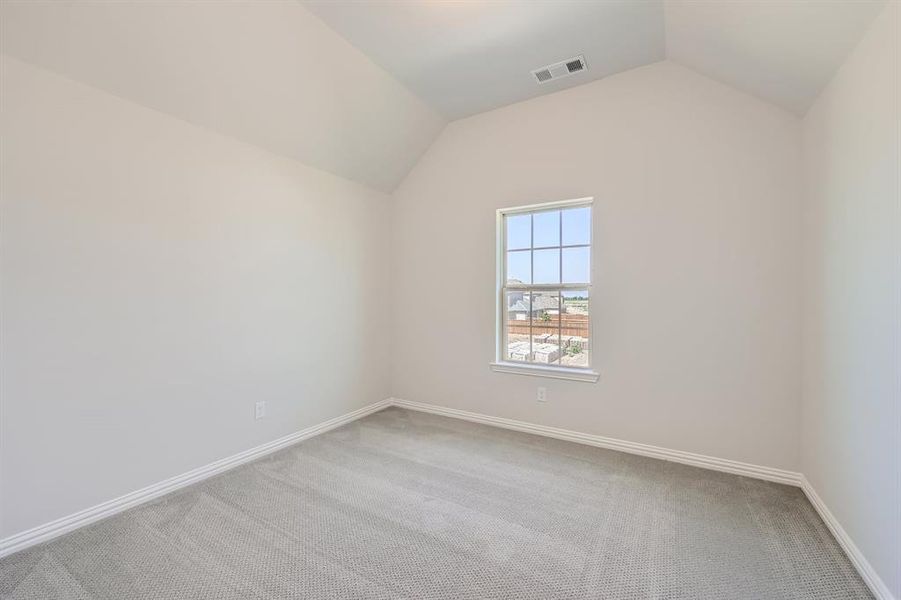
<point>409,505</point>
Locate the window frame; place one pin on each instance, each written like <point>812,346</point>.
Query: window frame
<point>502,365</point>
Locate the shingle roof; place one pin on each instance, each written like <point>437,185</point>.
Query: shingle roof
<point>539,302</point>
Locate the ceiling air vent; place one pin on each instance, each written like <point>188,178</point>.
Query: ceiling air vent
<point>543,75</point>
<point>575,65</point>
<point>561,69</point>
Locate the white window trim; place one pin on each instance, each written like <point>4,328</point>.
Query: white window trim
<point>555,372</point>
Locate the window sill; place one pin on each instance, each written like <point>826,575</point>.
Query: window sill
<point>541,371</point>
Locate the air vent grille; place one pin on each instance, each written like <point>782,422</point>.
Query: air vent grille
<point>560,69</point>
<point>543,75</point>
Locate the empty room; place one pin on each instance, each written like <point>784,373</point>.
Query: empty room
<point>450,299</point>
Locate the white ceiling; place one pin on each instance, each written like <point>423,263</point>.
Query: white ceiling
<point>267,73</point>
<point>464,58</point>
<point>782,51</point>
<point>274,75</point>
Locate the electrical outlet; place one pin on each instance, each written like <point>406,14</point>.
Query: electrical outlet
<point>259,410</point>
<point>542,394</point>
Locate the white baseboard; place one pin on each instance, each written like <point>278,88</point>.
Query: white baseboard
<point>48,531</point>
<point>867,573</point>
<point>58,527</point>
<point>863,566</point>
<point>686,458</point>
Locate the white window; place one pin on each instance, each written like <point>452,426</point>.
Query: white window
<point>544,285</point>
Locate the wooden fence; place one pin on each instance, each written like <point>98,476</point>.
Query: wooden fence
<point>573,324</point>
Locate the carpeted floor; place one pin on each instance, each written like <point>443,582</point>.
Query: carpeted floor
<point>410,505</point>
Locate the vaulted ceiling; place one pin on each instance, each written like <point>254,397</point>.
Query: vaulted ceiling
<point>362,90</point>
<point>468,57</point>
<point>783,51</point>
<point>267,73</point>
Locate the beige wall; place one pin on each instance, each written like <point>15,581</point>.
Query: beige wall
<point>157,280</point>
<point>851,451</point>
<point>696,262</point>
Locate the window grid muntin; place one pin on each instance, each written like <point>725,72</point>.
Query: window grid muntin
<point>559,288</point>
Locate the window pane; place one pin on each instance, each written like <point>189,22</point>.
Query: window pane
<point>546,229</point>
<point>516,323</point>
<point>546,328</point>
<point>547,266</point>
<point>519,266</point>
<point>577,265</point>
<point>519,231</point>
<point>577,226</point>
<point>575,341</point>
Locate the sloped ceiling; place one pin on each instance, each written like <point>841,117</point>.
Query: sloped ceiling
<point>268,73</point>
<point>784,52</point>
<point>468,57</point>
<point>361,89</point>
<point>465,58</point>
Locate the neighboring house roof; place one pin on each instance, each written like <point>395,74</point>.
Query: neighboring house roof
<point>538,303</point>
<point>519,306</point>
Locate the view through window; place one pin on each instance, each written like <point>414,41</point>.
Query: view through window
<point>546,281</point>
